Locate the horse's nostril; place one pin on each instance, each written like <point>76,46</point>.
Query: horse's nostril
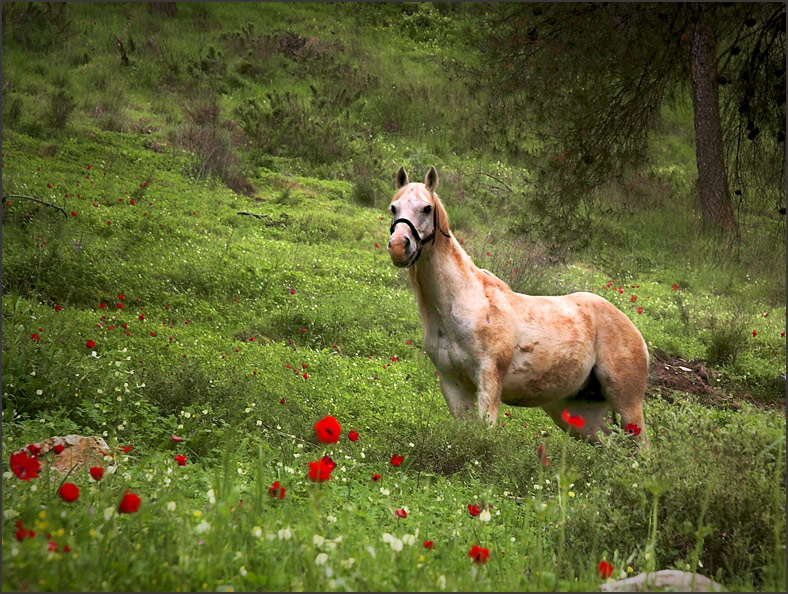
<point>407,242</point>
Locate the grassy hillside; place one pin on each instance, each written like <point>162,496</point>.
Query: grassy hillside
<point>238,332</point>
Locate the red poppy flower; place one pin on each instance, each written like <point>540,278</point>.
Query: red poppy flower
<point>34,450</point>
<point>574,420</point>
<point>479,554</point>
<point>49,186</point>
<point>59,448</point>
<point>782,334</point>
<point>321,470</point>
<point>675,287</point>
<point>52,546</point>
<point>632,429</point>
<point>180,459</point>
<point>474,510</point>
<point>292,291</point>
<point>605,569</point>
<point>24,466</point>
<point>401,513</point>
<point>640,310</point>
<point>306,376</point>
<point>276,491</point>
<point>328,429</point>
<point>130,503</point>
<point>755,333</point>
<point>21,533</point>
<point>281,401</point>
<point>353,436</point>
<point>126,449</point>
<point>541,451</point>
<point>35,337</point>
<point>428,544</point>
<point>176,439</point>
<point>58,308</point>
<point>396,460</point>
<point>376,245</point>
<point>69,492</point>
<point>73,213</point>
<point>251,338</point>
<point>90,344</point>
<point>142,317</point>
<point>633,298</point>
<point>96,472</point>
<point>375,478</point>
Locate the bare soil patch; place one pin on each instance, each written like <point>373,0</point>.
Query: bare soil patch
<point>671,375</point>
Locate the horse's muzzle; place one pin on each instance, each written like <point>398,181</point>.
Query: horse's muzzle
<point>401,250</point>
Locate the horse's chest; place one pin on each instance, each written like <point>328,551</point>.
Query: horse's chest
<point>449,352</point>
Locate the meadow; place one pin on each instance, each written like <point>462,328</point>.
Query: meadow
<point>214,282</point>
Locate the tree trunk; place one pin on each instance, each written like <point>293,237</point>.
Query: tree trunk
<point>715,199</point>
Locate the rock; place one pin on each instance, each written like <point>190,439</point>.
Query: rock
<point>681,581</point>
<point>78,453</point>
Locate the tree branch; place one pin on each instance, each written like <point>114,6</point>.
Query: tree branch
<point>34,199</point>
<point>253,214</point>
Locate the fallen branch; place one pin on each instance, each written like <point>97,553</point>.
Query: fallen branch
<point>665,578</point>
<point>253,214</point>
<point>34,199</point>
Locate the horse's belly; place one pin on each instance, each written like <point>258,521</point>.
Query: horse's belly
<point>536,379</point>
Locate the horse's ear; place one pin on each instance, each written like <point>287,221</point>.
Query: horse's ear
<point>402,178</point>
<point>431,179</point>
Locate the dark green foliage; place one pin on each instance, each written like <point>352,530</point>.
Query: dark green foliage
<point>725,339</point>
<point>61,105</point>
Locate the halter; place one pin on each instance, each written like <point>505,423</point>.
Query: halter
<point>419,241</point>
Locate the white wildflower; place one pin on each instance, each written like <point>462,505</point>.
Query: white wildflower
<point>202,527</point>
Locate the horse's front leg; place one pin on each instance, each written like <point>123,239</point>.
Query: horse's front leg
<point>488,393</point>
<point>457,396</point>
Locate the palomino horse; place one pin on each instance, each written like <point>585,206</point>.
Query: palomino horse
<point>575,352</point>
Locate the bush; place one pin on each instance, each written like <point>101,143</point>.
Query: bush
<point>725,338</point>
<point>61,106</point>
<point>214,142</point>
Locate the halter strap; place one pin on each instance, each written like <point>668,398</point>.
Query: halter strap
<point>416,235</point>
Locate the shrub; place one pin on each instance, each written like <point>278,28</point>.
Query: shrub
<point>725,338</point>
<point>214,142</point>
<point>61,106</point>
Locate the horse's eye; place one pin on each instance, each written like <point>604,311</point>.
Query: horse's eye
<point>427,209</point>
<point>393,209</point>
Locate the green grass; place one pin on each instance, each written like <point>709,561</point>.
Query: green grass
<point>308,284</point>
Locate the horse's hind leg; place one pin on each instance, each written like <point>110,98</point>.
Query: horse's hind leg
<point>623,381</point>
<point>592,411</point>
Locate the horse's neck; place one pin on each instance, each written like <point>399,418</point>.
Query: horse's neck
<point>441,277</point>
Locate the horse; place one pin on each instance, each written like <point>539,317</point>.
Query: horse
<point>572,355</point>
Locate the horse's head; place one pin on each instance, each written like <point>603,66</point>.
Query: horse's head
<point>415,218</point>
